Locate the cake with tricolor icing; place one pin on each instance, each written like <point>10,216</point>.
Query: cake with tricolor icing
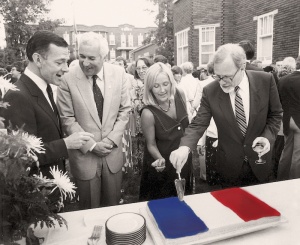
<point>209,217</point>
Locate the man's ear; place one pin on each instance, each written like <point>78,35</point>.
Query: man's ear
<point>243,67</point>
<point>37,59</point>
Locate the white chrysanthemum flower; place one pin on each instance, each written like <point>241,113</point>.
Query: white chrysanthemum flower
<point>33,144</point>
<point>62,181</point>
<point>5,85</point>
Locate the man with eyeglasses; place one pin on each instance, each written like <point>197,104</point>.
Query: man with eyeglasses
<point>246,108</point>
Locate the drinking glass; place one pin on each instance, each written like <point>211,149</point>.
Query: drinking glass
<point>259,148</point>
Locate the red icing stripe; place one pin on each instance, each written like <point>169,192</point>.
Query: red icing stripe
<point>245,205</point>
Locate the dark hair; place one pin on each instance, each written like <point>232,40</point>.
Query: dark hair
<point>147,62</point>
<point>248,48</point>
<point>119,58</point>
<point>176,70</point>
<point>20,66</point>
<point>3,71</point>
<point>40,41</point>
<point>160,58</point>
<point>196,74</point>
<point>8,68</point>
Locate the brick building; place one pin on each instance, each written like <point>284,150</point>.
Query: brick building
<point>201,26</point>
<point>121,39</point>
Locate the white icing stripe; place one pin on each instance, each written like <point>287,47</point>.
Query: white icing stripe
<point>213,213</point>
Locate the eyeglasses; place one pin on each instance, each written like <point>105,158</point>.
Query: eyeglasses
<point>143,68</point>
<point>219,78</point>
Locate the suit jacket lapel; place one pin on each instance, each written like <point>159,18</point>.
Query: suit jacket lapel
<point>254,101</point>
<point>108,84</point>
<point>40,98</point>
<point>87,95</point>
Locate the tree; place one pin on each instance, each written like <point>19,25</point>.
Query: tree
<point>22,18</point>
<point>164,35</point>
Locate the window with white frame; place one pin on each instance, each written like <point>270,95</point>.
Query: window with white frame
<point>112,54</point>
<point>207,42</point>
<point>140,39</point>
<point>182,46</point>
<point>112,39</point>
<point>130,40</point>
<point>123,40</point>
<point>265,37</point>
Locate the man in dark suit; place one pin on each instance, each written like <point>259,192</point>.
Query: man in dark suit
<point>249,51</point>
<point>246,108</point>
<point>289,90</point>
<point>33,107</point>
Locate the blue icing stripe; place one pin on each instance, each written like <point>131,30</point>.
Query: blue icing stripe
<point>175,218</point>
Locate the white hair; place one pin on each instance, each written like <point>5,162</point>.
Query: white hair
<point>187,67</point>
<point>289,61</point>
<point>90,38</point>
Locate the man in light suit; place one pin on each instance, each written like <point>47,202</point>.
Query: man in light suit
<point>94,98</point>
<point>262,113</point>
<point>33,107</point>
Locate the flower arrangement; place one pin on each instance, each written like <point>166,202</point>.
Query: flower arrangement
<point>27,199</point>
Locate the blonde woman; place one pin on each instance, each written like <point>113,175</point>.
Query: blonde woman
<point>164,119</point>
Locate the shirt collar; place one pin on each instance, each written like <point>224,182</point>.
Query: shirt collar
<point>100,74</point>
<point>36,79</point>
<point>244,84</point>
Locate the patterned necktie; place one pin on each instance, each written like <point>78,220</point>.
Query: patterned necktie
<point>239,112</point>
<point>50,95</point>
<point>98,97</point>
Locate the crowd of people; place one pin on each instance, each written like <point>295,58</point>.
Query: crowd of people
<point>106,116</point>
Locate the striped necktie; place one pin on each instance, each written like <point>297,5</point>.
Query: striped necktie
<point>239,111</point>
<point>98,97</point>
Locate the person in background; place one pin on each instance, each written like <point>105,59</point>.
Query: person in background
<point>289,90</point>
<point>94,98</point>
<point>17,69</point>
<point>137,92</point>
<point>247,111</point>
<point>33,109</point>
<point>160,58</point>
<point>177,73</point>
<point>257,63</point>
<point>126,139</point>
<point>207,144</point>
<point>189,85</point>
<point>250,52</point>
<point>164,119</point>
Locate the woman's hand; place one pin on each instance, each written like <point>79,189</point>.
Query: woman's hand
<point>159,164</point>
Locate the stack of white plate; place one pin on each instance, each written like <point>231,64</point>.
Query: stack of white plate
<point>125,228</point>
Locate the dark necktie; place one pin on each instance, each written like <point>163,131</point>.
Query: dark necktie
<point>239,112</point>
<point>98,97</point>
<point>50,95</point>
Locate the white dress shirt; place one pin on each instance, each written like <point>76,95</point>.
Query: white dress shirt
<point>99,81</point>
<point>39,82</point>
<point>245,95</point>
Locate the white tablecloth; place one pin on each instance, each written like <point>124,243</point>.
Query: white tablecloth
<point>283,196</point>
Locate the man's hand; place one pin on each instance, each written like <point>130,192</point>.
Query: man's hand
<point>77,140</point>
<point>179,157</point>
<point>108,141</point>
<point>102,149</point>
<point>264,142</point>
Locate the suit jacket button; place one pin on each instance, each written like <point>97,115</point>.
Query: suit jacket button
<point>245,145</point>
<point>179,128</point>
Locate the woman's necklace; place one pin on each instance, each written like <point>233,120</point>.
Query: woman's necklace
<point>165,110</point>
